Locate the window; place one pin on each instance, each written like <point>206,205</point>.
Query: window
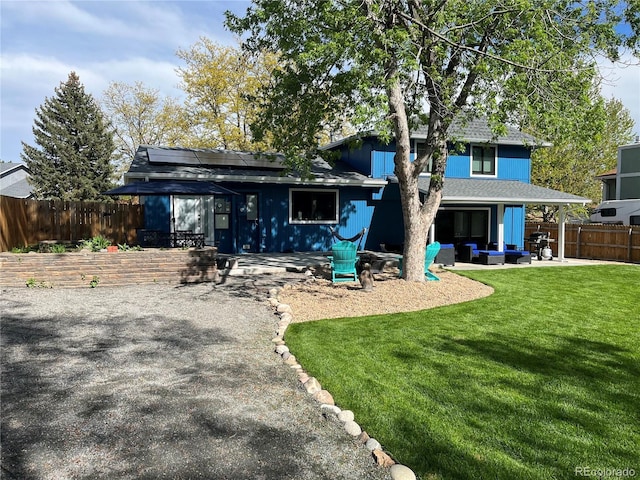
<point>483,160</point>
<point>608,212</point>
<point>420,149</point>
<point>313,206</point>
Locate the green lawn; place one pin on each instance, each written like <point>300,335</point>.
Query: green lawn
<point>538,379</point>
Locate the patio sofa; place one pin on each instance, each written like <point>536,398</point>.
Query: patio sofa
<point>513,254</point>
<point>469,252</point>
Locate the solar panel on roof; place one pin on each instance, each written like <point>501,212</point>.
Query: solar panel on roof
<point>214,158</point>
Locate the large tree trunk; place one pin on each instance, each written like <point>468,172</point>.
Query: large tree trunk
<point>416,227</point>
<point>418,215</point>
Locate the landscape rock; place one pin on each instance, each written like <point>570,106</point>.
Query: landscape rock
<point>280,349</point>
<point>303,377</point>
<point>290,360</point>
<point>373,444</point>
<point>284,323</point>
<point>364,437</point>
<point>324,397</point>
<point>382,459</point>
<point>346,416</point>
<point>330,408</point>
<point>352,428</point>
<point>277,340</point>
<point>401,472</point>
<point>285,355</point>
<point>273,302</point>
<point>312,385</point>
<point>273,292</point>
<point>283,308</point>
<point>286,316</point>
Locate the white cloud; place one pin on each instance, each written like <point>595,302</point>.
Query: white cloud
<point>32,78</point>
<point>622,81</point>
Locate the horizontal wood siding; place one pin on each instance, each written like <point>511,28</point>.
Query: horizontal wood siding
<point>595,241</point>
<point>27,222</point>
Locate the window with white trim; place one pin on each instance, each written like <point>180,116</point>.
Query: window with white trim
<point>420,148</point>
<point>313,206</point>
<point>483,160</point>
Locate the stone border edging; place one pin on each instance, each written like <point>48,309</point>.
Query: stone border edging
<point>325,399</point>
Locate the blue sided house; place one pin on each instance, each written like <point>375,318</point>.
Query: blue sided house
<point>243,202</point>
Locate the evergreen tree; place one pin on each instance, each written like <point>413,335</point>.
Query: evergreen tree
<point>74,146</point>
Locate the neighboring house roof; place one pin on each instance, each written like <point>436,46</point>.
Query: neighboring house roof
<point>221,165</point>
<point>483,191</point>
<point>13,180</point>
<point>608,174</point>
<point>20,189</point>
<point>470,131</point>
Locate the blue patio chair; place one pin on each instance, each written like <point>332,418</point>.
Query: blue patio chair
<point>343,260</point>
<point>429,255</point>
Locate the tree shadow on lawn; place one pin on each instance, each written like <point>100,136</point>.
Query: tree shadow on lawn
<point>541,410</point>
<point>124,397</point>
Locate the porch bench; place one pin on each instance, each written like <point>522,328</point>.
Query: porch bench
<point>491,257</point>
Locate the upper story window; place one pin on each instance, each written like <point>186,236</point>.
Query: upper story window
<point>420,148</point>
<point>483,160</point>
<point>313,206</point>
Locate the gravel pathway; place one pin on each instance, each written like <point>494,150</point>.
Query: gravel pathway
<point>160,382</point>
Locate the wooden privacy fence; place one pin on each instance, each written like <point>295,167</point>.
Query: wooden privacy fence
<point>28,222</point>
<point>594,241</point>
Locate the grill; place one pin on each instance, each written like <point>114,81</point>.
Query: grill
<point>540,245</point>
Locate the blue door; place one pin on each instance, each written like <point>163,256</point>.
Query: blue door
<point>248,224</point>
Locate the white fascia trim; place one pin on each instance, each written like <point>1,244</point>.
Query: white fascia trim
<point>512,201</point>
<point>370,182</point>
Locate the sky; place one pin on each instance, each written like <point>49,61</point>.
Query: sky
<point>130,41</point>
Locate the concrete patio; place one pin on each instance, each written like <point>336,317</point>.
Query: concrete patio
<point>257,263</point>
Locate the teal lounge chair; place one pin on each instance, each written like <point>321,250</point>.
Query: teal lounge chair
<point>343,262</point>
<point>429,255</point>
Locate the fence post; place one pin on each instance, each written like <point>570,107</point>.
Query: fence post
<point>578,240</point>
<point>630,245</point>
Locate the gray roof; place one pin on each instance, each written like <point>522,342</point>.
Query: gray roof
<point>469,131</point>
<point>479,131</point>
<point>6,167</point>
<point>20,189</point>
<point>471,190</point>
<point>321,172</point>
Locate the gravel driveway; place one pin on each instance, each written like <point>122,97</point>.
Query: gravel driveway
<point>157,382</point>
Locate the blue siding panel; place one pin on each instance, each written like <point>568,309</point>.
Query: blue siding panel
<point>359,159</point>
<point>458,166</point>
<point>514,225</point>
<point>513,163</point>
<point>382,164</point>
